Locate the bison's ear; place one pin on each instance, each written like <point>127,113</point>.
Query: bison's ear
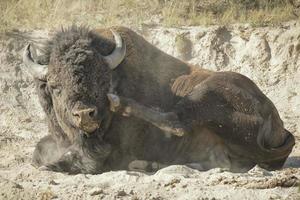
<point>38,71</point>
<point>44,96</point>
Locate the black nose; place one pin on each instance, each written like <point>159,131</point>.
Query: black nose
<point>85,119</point>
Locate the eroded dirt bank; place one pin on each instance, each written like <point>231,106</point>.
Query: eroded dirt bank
<point>269,56</point>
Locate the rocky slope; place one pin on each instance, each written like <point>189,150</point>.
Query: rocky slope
<point>269,56</point>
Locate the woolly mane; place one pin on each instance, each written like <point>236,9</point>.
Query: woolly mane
<point>69,42</point>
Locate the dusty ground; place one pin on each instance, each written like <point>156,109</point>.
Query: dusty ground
<point>269,56</point>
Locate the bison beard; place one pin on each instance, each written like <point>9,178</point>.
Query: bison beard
<point>116,102</point>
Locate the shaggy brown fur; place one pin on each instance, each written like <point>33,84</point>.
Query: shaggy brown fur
<point>230,122</point>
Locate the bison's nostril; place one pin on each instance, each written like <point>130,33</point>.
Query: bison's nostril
<point>76,114</point>
<point>92,113</point>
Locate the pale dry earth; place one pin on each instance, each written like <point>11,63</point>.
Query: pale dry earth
<point>268,55</point>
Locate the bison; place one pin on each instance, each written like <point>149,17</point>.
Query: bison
<point>114,101</point>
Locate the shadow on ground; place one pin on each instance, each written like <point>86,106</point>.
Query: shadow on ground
<point>293,161</point>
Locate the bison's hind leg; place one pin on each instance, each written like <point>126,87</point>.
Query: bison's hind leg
<point>166,121</point>
<point>46,151</point>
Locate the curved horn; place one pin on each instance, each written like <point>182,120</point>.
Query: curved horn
<point>37,70</point>
<point>117,56</point>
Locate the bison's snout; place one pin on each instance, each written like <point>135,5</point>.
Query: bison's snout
<point>85,119</point>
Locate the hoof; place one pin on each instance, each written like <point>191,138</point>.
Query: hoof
<point>177,129</point>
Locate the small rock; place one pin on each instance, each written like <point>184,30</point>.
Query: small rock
<point>96,191</point>
<point>46,195</point>
<point>131,192</point>
<point>157,198</point>
<point>134,198</point>
<point>26,120</point>
<point>274,197</point>
<point>258,171</point>
<point>18,186</point>
<point>52,182</point>
<point>200,35</point>
<point>121,193</point>
<point>172,183</point>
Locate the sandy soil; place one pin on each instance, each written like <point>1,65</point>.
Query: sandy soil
<point>269,56</point>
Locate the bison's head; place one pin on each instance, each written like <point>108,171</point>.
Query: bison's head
<point>77,78</point>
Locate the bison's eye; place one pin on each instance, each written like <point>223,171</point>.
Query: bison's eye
<point>43,86</point>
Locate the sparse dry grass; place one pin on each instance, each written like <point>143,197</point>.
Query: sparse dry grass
<point>34,14</point>
<point>228,12</point>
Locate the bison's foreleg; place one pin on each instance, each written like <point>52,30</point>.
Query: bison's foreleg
<point>64,164</point>
<point>87,155</point>
<point>73,161</point>
<point>168,121</point>
<point>51,155</point>
<point>47,150</point>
